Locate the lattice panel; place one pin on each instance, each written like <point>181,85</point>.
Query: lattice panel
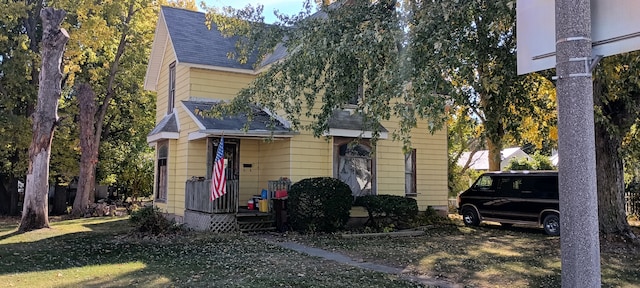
<point>223,223</point>
<point>196,220</point>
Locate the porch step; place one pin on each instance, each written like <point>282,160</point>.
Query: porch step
<point>255,222</point>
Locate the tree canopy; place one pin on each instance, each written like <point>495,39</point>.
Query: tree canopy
<point>408,59</point>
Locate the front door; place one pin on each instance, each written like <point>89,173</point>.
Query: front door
<point>231,157</point>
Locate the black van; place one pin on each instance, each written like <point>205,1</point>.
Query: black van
<point>513,197</point>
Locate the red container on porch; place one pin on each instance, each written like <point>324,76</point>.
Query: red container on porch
<point>281,193</point>
<point>250,204</point>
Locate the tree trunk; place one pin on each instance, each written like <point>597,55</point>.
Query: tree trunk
<point>94,123</point>
<point>54,39</point>
<point>495,156</point>
<point>612,216</point>
<point>610,178</point>
<point>89,157</point>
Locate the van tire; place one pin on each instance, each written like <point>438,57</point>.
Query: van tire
<point>470,217</point>
<point>551,224</point>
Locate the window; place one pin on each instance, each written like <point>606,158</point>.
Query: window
<point>161,180</point>
<point>354,165</point>
<point>172,88</point>
<point>410,174</point>
<point>484,183</point>
<point>355,99</point>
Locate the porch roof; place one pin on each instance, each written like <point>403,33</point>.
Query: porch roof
<point>167,128</point>
<point>264,124</point>
<point>347,123</point>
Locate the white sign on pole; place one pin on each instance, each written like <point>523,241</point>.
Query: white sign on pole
<point>615,29</point>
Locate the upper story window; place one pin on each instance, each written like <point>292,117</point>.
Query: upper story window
<point>355,100</point>
<point>172,88</point>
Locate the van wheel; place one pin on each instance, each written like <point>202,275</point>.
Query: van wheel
<point>470,217</point>
<point>551,224</point>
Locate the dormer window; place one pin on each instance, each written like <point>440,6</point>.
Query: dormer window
<point>172,88</point>
<point>354,101</point>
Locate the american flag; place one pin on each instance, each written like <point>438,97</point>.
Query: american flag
<point>219,180</point>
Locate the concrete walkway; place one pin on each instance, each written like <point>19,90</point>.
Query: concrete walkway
<point>340,258</point>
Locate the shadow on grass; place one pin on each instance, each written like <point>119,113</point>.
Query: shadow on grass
<point>106,255</point>
<point>485,256</point>
<point>6,236</point>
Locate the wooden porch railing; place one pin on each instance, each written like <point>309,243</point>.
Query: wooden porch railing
<point>197,195</point>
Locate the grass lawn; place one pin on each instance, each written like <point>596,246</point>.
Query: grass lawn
<point>486,256</point>
<point>100,252</point>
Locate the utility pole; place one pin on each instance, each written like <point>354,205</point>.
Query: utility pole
<point>579,240</point>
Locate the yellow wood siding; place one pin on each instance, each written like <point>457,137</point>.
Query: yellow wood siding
<point>190,158</point>
<point>217,84</point>
<point>173,182</point>
<point>250,176</point>
<point>431,166</point>
<point>310,157</point>
<point>162,87</point>
<point>275,161</point>
<point>300,157</point>
<point>197,158</point>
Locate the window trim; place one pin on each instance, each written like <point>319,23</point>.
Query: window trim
<point>162,163</point>
<point>339,141</point>
<point>413,189</point>
<point>172,88</point>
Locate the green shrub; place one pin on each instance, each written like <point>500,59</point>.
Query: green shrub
<point>389,210</point>
<point>319,204</point>
<point>150,220</point>
<point>519,164</point>
<point>430,217</point>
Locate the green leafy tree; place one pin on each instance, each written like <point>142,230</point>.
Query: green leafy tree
<point>20,38</point>
<point>468,49</point>
<point>113,39</point>
<point>617,100</point>
<point>352,51</point>
<point>537,162</point>
<point>402,57</point>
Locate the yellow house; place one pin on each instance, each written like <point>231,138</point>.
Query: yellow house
<point>190,71</point>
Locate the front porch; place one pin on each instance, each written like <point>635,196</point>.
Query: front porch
<point>225,213</point>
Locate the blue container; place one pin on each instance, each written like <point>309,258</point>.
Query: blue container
<point>265,194</point>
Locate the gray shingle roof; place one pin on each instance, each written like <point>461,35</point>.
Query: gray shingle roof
<point>167,124</point>
<point>194,43</point>
<point>261,120</point>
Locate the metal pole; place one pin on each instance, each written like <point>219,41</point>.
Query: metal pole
<point>579,238</point>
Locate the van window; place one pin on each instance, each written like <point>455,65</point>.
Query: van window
<point>547,187</point>
<point>484,183</point>
<point>510,186</point>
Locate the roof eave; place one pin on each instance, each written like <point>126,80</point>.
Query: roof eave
<point>239,134</point>
<point>160,40</point>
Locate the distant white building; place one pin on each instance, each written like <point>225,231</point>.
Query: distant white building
<point>480,160</point>
<point>554,158</point>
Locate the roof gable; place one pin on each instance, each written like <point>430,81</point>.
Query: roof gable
<point>193,44</point>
